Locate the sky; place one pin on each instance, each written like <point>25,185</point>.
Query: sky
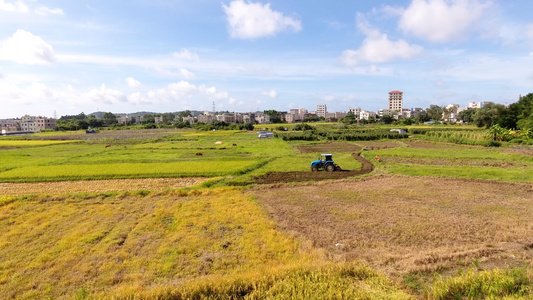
<point>64,57</point>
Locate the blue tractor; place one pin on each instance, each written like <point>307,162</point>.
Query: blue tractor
<point>325,161</point>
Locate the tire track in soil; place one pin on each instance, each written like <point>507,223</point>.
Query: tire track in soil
<point>277,177</point>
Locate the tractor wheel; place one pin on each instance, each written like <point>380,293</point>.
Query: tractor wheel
<point>314,169</point>
<point>330,167</point>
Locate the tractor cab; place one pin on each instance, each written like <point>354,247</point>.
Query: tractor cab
<point>325,161</point>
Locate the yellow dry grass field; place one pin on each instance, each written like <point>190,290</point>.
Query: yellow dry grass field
<point>72,247</point>
<point>407,225</point>
<point>96,186</point>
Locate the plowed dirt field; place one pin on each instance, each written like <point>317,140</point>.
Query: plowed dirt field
<point>401,224</point>
<point>276,177</point>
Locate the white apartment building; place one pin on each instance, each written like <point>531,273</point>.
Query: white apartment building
<point>321,110</point>
<point>365,114</point>
<point>355,111</point>
<point>477,104</point>
<point>395,101</point>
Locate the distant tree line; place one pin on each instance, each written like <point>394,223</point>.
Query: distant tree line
<point>518,115</point>
<point>84,122</point>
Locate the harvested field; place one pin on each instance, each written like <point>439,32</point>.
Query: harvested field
<point>96,186</point>
<point>452,162</point>
<point>381,145</point>
<point>518,150</point>
<point>433,145</point>
<point>275,177</point>
<point>115,135</point>
<point>329,147</point>
<point>401,224</point>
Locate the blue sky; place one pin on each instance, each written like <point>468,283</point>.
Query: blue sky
<point>165,56</point>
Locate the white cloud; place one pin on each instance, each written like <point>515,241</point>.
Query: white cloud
<point>248,20</point>
<point>180,91</point>
<point>372,69</point>
<point>137,98</point>
<point>186,55</point>
<point>212,93</point>
<point>271,93</point>
<point>25,48</point>
<point>328,98</point>
<point>17,6</point>
<point>529,32</point>
<point>133,83</point>
<point>106,95</point>
<point>377,47</point>
<point>45,11</point>
<point>186,74</point>
<point>441,20</point>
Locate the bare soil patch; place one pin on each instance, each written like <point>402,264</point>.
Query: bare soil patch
<point>96,186</point>
<point>402,224</point>
<point>329,147</point>
<point>452,162</point>
<point>518,150</point>
<point>276,177</point>
<point>381,145</point>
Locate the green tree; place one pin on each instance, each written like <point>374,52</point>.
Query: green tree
<point>524,110</point>
<point>109,119</point>
<point>185,113</point>
<point>148,119</point>
<point>422,116</point>
<point>467,115</point>
<point>246,126</point>
<point>489,114</point>
<point>387,119</point>
<point>168,118</point>
<point>434,112</point>
<point>350,118</point>
<point>275,116</point>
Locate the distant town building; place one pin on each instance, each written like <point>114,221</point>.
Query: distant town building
<point>191,120</point>
<point>477,104</point>
<point>365,115</point>
<point>124,120</point>
<point>10,125</point>
<point>31,123</point>
<point>228,118</point>
<point>158,120</point>
<point>321,110</point>
<point>355,111</point>
<point>411,112</point>
<point>387,112</point>
<point>340,115</point>
<point>329,116</point>
<point>248,118</point>
<point>207,117</point>
<point>395,101</point>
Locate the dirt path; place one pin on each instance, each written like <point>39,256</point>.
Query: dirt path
<point>276,177</point>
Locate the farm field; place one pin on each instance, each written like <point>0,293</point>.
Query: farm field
<point>410,228</point>
<point>222,214</point>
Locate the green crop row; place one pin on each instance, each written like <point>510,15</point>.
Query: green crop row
<point>341,135</point>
